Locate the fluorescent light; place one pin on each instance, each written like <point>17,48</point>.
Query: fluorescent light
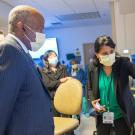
<point>126,51</point>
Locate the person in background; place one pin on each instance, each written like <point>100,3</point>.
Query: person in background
<point>25,105</point>
<point>78,73</point>
<point>41,63</point>
<point>53,74</point>
<point>112,98</point>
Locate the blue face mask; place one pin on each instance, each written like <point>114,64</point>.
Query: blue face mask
<point>53,61</point>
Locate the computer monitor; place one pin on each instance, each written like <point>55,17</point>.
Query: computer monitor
<point>50,44</point>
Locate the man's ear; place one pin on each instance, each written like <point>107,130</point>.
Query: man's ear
<point>20,26</point>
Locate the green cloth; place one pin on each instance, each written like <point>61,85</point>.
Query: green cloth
<point>106,89</point>
<point>84,105</point>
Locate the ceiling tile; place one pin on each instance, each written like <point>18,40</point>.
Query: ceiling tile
<point>81,6</point>
<point>53,8</point>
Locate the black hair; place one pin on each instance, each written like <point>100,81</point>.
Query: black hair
<point>42,57</point>
<point>99,43</point>
<point>47,54</point>
<point>45,57</point>
<point>103,40</point>
<point>73,61</point>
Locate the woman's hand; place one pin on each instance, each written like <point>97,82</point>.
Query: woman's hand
<point>97,106</point>
<point>62,80</point>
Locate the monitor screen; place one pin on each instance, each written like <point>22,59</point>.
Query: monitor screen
<point>50,44</point>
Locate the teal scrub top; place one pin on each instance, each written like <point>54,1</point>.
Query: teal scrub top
<point>107,95</point>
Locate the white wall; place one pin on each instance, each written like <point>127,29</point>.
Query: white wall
<point>130,32</point>
<point>125,32</point>
<point>120,29</point>
<point>71,38</point>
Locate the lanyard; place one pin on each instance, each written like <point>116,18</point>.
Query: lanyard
<point>108,92</point>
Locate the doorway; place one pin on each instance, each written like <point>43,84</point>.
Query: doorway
<point>88,51</point>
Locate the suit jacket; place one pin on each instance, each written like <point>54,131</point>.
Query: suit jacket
<point>25,106</point>
<point>121,70</point>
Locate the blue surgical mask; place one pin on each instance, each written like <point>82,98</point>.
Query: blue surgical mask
<point>53,61</point>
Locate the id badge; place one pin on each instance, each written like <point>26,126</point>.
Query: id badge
<point>108,117</point>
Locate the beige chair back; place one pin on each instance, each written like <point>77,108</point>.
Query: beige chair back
<point>68,97</point>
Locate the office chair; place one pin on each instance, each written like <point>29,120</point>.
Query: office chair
<point>67,100</point>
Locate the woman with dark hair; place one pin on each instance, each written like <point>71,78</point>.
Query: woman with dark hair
<point>53,74</point>
<point>109,80</point>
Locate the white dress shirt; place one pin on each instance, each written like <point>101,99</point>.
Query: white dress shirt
<point>20,42</point>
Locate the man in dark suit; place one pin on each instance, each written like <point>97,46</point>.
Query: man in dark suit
<point>25,107</point>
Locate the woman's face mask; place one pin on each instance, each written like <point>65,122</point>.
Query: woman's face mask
<point>107,60</point>
<point>53,61</point>
<point>74,66</point>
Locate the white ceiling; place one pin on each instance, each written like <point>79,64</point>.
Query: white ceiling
<point>53,10</point>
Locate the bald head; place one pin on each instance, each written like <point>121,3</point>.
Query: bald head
<point>23,22</point>
<point>22,13</point>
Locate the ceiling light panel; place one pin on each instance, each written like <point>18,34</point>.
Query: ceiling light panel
<point>79,16</point>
